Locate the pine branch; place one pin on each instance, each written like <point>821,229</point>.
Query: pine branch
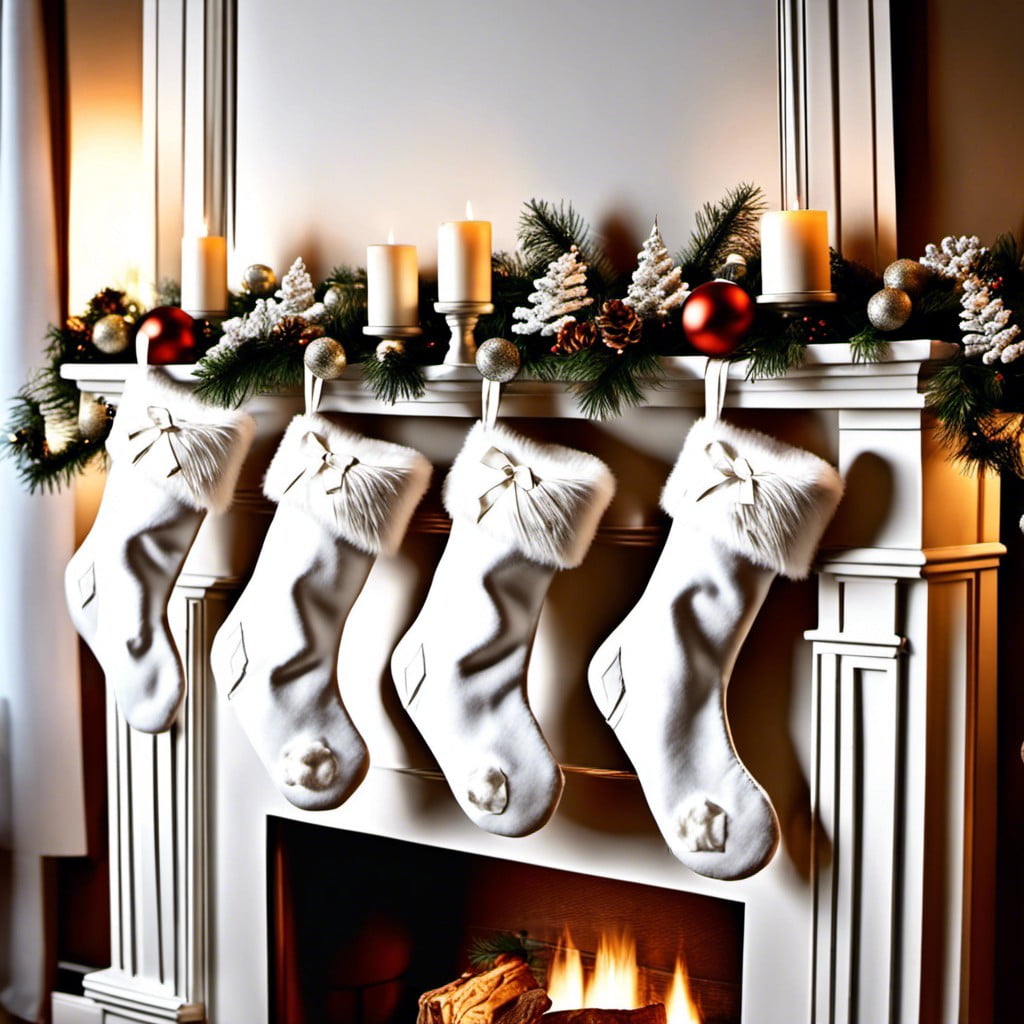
<point>394,377</point>
<point>966,399</point>
<point>547,232</point>
<point>605,382</point>
<point>869,346</point>
<point>484,950</point>
<point>228,376</point>
<point>772,355</point>
<point>733,224</point>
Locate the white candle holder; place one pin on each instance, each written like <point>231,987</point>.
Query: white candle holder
<point>794,301</point>
<point>393,333</point>
<point>462,318</point>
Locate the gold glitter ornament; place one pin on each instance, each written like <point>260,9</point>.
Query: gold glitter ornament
<point>889,309</point>
<point>259,280</point>
<point>325,358</point>
<point>94,416</point>
<point>110,334</point>
<point>390,347</point>
<point>908,276</point>
<point>498,359</point>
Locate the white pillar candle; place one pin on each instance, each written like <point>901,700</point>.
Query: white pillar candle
<point>392,286</point>
<point>204,275</point>
<point>794,252</point>
<point>464,260</point>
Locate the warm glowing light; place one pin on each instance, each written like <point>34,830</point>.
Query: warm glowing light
<point>565,977</point>
<point>794,204</point>
<point>391,236</point>
<point>679,1005</point>
<point>615,981</point>
<point>613,984</point>
<point>469,210</point>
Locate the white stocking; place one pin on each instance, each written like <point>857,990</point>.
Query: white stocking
<point>341,500</point>
<point>744,507</point>
<point>172,458</point>
<point>520,510</point>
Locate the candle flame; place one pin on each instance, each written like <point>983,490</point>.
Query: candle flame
<point>204,233</point>
<point>469,210</point>
<point>795,204</point>
<point>391,236</point>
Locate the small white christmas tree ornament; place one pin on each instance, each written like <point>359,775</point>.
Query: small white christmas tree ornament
<point>295,297</point>
<point>296,293</point>
<point>560,293</point>
<point>658,286</point>
<point>986,327</point>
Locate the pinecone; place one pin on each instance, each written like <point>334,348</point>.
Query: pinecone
<point>574,336</point>
<point>620,326</point>
<point>295,330</point>
<point>107,301</point>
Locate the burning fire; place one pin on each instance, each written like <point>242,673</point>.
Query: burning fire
<point>615,982</point>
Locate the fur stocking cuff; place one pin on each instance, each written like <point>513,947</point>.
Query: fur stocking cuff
<point>356,488</point>
<point>764,499</point>
<point>542,499</point>
<point>194,451</point>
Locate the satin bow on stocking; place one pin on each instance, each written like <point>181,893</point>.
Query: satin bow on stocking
<point>163,423</point>
<point>322,462</point>
<point>734,469</point>
<point>515,477</point>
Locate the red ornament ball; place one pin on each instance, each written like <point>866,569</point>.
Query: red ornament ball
<point>716,316</point>
<point>171,336</point>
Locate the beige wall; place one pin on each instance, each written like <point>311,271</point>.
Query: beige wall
<point>959,94</point>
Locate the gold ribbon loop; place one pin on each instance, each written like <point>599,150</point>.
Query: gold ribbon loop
<point>734,469</point>
<point>163,423</point>
<point>320,460</point>
<point>518,478</point>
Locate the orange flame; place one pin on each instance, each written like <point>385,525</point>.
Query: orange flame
<point>680,1007</point>
<point>614,983</point>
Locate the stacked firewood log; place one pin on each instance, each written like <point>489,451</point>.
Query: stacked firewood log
<point>508,993</point>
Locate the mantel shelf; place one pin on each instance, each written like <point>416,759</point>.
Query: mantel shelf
<point>828,379</point>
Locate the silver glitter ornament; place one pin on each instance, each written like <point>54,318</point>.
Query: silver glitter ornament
<point>110,334</point>
<point>325,358</point>
<point>889,309</point>
<point>94,416</point>
<point>390,347</point>
<point>908,276</point>
<point>259,280</point>
<point>498,359</point>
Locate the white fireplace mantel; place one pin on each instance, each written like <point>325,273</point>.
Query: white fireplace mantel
<point>877,736</point>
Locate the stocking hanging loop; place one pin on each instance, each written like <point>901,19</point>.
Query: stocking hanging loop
<point>312,390</point>
<point>716,382</point>
<point>490,399</point>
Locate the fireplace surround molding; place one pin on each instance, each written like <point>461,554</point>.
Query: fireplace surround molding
<point>886,915</point>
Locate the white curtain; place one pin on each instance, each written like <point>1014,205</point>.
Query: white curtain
<point>43,810</point>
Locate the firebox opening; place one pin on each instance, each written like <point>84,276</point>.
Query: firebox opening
<point>361,926</point>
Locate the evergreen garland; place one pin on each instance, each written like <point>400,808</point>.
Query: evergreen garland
<point>227,376</point>
<point>968,400</point>
<point>46,407</point>
<point>607,360</point>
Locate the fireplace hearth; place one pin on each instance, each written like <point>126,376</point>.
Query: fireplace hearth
<point>363,925</point>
